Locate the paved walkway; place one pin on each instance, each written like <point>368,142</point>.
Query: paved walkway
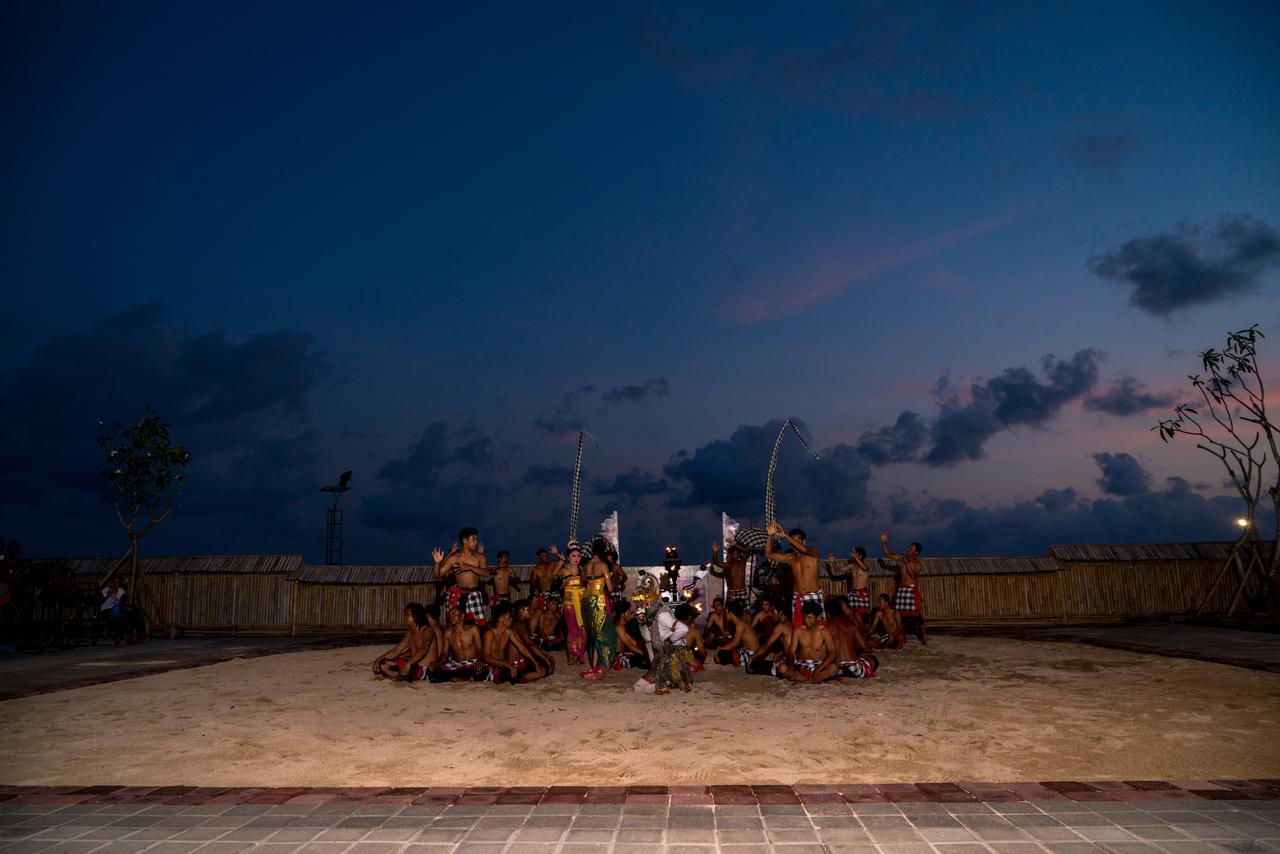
<point>24,674</point>
<point>1073,818</point>
<point>1254,650</point>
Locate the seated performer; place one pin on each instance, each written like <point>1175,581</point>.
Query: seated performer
<point>522,625</point>
<point>907,599</point>
<point>716,632</point>
<point>466,564</point>
<point>693,638</point>
<point>504,577</point>
<point>813,652</point>
<point>853,654</point>
<point>546,628</point>
<point>463,650</point>
<point>409,660</point>
<point>766,616</point>
<point>744,641</point>
<point>887,631</point>
<point>733,571</point>
<point>507,657</point>
<point>631,652</point>
<point>858,577</point>
<point>803,561</point>
<point>776,648</point>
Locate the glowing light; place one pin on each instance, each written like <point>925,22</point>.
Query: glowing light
<point>1243,523</point>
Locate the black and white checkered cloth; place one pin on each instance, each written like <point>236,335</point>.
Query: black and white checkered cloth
<point>906,601</point>
<point>471,600</point>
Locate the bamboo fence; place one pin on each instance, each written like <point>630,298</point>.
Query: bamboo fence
<point>281,594</point>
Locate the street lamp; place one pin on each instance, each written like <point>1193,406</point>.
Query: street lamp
<point>1243,523</point>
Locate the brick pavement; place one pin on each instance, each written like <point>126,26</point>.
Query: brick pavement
<point>1161,817</point>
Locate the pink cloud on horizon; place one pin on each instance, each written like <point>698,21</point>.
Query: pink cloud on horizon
<point>826,277</point>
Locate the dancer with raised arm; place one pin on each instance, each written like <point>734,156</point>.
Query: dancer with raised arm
<point>466,565</point>
<point>733,570</point>
<point>907,600</point>
<point>859,578</point>
<point>803,561</point>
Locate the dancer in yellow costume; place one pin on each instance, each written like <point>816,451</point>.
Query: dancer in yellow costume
<point>602,639</point>
<point>569,574</point>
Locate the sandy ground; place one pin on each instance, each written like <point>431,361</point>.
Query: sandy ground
<point>961,709</point>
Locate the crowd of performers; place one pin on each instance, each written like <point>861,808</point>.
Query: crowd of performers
<point>577,606</point>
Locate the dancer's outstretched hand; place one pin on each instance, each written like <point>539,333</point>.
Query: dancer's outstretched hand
<point>715,548</point>
<point>438,554</point>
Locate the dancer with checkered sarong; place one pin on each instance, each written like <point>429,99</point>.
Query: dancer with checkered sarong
<point>853,651</point>
<point>466,564</point>
<point>744,642</point>
<point>886,627</point>
<point>803,562</point>
<point>462,644</point>
<point>733,570</point>
<point>907,599</point>
<point>813,651</point>
<point>858,577</point>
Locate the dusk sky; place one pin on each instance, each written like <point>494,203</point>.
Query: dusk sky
<point>975,249</point>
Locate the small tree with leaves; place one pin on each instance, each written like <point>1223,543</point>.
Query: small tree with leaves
<point>144,473</point>
<point>1233,425</point>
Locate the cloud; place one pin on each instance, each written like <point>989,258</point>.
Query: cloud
<point>577,407</point>
<point>438,447</point>
<point>568,416</point>
<point>900,443</point>
<point>1100,152</point>
<point>1122,474</point>
<point>441,511</point>
<point>1127,397</point>
<point>657,387</point>
<point>1013,398</point>
<point>239,407</point>
<point>729,475</point>
<point>1195,264</point>
<point>630,486</point>
<point>541,476</point>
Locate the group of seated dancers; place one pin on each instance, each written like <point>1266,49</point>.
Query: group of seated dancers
<point>580,608</point>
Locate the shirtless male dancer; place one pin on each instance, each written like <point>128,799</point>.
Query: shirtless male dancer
<point>907,599</point>
<point>507,656</point>
<point>522,624</point>
<point>733,571</point>
<point>858,577</point>
<point>504,577</point>
<point>803,560</point>
<point>853,653</point>
<point>744,641</point>
<point>631,653</point>
<point>767,616</point>
<point>542,583</point>
<point>813,650</point>
<point>466,563</point>
<point>413,656</point>
<point>886,627</point>
<point>462,642</point>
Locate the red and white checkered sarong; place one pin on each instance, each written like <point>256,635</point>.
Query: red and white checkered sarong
<point>742,596</point>
<point>908,602</point>
<point>798,601</point>
<point>860,600</point>
<point>471,600</point>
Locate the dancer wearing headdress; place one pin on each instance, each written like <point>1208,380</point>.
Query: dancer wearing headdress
<point>569,574</point>
<point>602,640</point>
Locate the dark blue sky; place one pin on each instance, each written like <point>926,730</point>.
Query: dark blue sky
<point>428,243</point>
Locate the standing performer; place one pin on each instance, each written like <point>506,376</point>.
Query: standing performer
<point>602,640</point>
<point>503,578</point>
<point>803,560</point>
<point>466,563</point>
<point>907,601</point>
<point>569,574</point>
<point>858,577</point>
<point>542,583</point>
<point>733,571</point>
